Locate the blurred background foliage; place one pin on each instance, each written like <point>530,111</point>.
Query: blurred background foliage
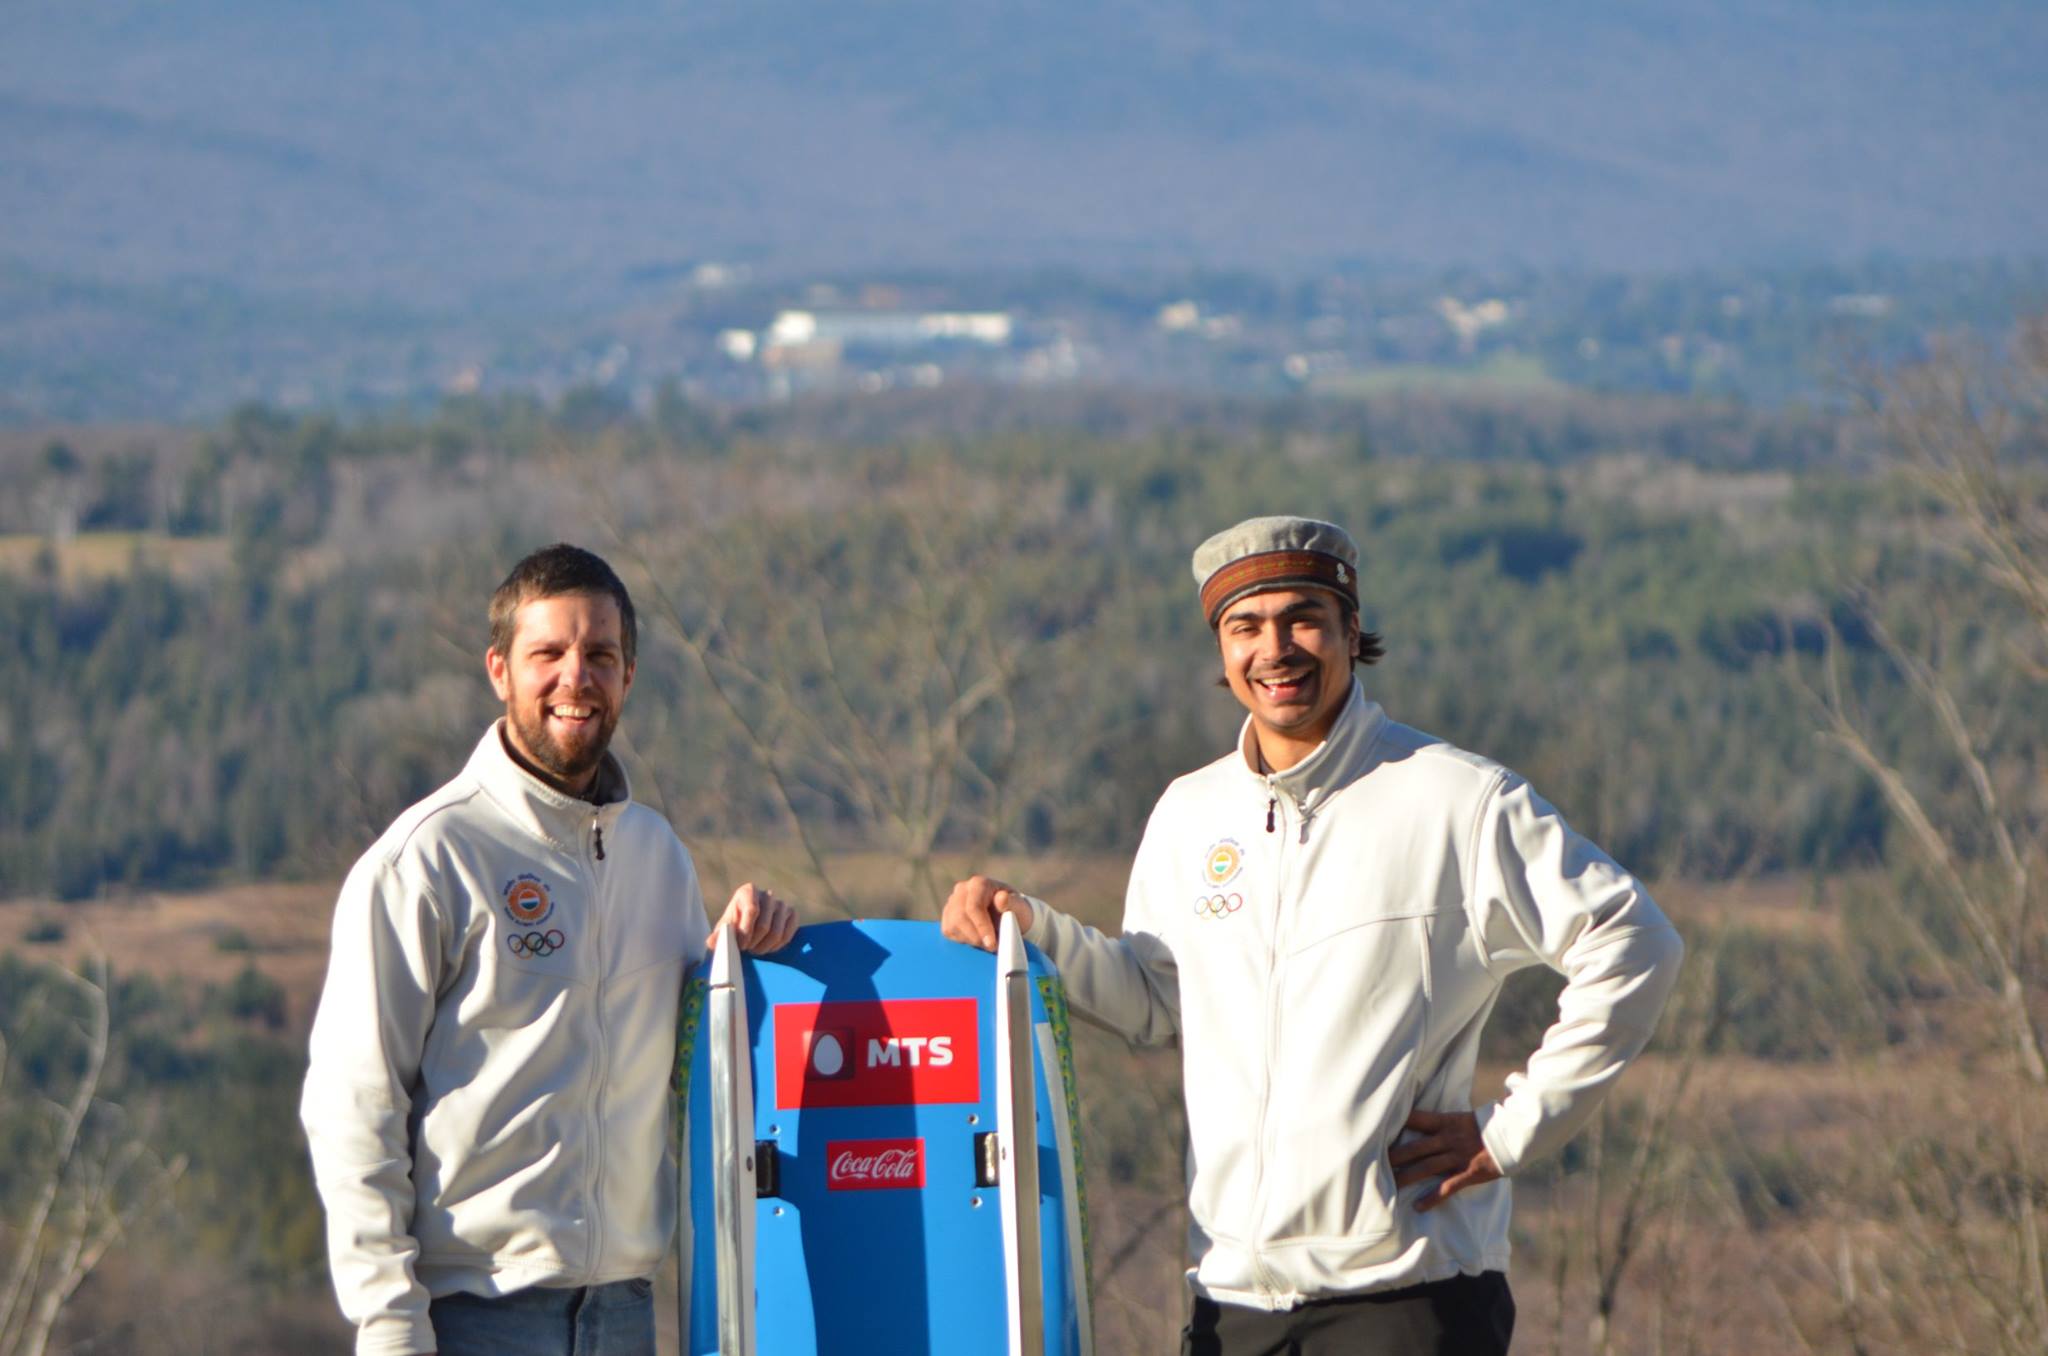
<point>275,648</point>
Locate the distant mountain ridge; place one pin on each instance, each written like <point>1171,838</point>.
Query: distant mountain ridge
<point>535,154</point>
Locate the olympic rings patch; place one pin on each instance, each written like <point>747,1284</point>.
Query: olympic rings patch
<point>1218,906</point>
<point>536,944</point>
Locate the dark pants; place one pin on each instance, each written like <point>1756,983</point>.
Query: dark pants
<point>1464,1316</point>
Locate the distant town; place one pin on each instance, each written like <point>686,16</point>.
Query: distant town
<point>1764,338</point>
<point>720,333</point>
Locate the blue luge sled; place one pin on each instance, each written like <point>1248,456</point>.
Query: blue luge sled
<point>875,1069</point>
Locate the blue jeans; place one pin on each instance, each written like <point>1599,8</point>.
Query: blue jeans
<point>598,1320</point>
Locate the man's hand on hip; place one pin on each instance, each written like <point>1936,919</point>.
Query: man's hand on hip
<point>1449,1147</point>
<point>761,921</point>
<point>971,910</point>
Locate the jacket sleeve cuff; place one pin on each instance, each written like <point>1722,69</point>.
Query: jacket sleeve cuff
<point>396,1335</point>
<point>1040,931</point>
<point>1495,1134</point>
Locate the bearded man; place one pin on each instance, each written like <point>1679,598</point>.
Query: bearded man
<point>1323,918</point>
<point>488,1100</point>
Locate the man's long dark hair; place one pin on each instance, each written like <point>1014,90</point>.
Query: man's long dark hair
<point>1372,647</point>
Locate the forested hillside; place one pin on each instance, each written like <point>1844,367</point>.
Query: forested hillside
<point>257,648</point>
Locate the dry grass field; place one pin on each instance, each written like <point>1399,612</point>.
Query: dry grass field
<point>201,938</point>
<point>91,556</point>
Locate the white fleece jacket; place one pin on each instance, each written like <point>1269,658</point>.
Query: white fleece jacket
<point>488,1098</point>
<point>1330,973</point>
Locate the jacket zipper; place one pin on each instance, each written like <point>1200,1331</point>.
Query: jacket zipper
<point>1267,1284</point>
<point>603,1050</point>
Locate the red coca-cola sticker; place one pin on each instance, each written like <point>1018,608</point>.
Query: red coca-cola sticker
<point>899,1052</point>
<point>874,1164</point>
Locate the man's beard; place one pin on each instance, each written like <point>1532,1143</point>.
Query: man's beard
<point>565,765</point>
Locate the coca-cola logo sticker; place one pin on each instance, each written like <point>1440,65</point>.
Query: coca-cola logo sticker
<point>895,1052</point>
<point>874,1164</point>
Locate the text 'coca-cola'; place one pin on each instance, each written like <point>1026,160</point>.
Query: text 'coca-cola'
<point>874,1164</point>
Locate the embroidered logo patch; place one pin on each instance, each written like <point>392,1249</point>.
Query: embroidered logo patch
<point>1218,906</point>
<point>1225,860</point>
<point>526,899</point>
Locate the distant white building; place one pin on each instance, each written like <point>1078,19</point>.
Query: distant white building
<point>1866,305</point>
<point>792,328</point>
<point>979,327</point>
<point>712,276</point>
<point>1187,317</point>
<point>890,329</point>
<point>1468,322</point>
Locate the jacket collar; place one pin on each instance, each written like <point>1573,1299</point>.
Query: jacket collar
<point>560,819</point>
<point>1341,759</point>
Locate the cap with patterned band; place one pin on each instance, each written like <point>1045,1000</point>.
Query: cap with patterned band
<point>1263,554</point>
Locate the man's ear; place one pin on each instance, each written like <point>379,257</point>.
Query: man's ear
<point>500,675</point>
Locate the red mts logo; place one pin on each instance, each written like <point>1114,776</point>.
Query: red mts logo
<point>906,1051</point>
<point>873,1164</point>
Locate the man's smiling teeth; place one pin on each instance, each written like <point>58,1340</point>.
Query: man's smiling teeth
<point>570,712</point>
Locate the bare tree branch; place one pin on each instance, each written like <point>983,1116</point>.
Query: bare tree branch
<point>97,1178</point>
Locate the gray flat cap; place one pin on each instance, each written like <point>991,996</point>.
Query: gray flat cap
<point>1262,554</point>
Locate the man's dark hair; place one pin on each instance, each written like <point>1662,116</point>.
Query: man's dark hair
<point>1372,647</point>
<point>554,572</point>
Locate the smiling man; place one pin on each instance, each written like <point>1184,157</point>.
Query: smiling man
<point>488,1100</point>
<point>1323,918</point>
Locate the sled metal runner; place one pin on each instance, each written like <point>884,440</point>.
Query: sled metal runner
<point>1017,1143</point>
<point>732,1121</point>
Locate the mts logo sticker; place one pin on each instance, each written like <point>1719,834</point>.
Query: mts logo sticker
<point>900,1052</point>
<point>873,1164</point>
